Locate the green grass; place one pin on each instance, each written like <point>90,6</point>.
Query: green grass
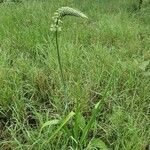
<point>106,65</point>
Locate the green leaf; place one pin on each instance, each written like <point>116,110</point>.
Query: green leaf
<point>81,120</point>
<point>96,108</point>
<point>144,65</point>
<point>90,123</point>
<point>98,143</point>
<point>63,122</point>
<point>146,74</point>
<point>49,123</point>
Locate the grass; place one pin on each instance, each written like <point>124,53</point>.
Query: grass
<point>106,65</point>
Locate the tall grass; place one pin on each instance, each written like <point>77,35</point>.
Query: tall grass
<point>106,67</point>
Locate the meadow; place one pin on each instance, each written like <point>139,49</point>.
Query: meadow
<point>106,67</point>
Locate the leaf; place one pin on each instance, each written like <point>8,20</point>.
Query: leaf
<point>63,122</point>
<point>96,108</point>
<point>81,120</point>
<point>49,123</point>
<point>98,143</point>
<point>90,123</point>
<point>144,64</point>
<point>146,74</point>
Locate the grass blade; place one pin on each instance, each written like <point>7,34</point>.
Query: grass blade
<point>95,110</point>
<point>90,123</point>
<point>64,121</point>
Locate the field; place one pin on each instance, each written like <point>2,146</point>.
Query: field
<point>106,66</point>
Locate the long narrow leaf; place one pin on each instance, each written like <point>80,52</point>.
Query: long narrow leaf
<point>49,123</point>
<point>95,110</point>
<point>98,143</point>
<point>90,123</point>
<point>69,116</point>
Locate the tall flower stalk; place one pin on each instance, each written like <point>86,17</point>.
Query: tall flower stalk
<point>56,27</point>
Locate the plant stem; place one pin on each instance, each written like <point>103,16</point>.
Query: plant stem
<point>59,63</point>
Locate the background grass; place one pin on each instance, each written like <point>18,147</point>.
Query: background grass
<point>108,53</point>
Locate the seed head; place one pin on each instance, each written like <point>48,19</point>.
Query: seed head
<point>68,11</point>
<point>62,12</point>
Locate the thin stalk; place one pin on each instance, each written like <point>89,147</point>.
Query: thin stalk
<point>59,61</point>
<point>60,65</point>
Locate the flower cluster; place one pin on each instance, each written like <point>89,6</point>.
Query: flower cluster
<point>62,12</point>
<point>56,22</point>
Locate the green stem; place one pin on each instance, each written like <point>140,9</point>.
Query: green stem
<point>59,62</point>
<point>60,65</point>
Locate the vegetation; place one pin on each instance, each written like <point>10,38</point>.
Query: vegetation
<point>106,67</point>
<point>140,3</point>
